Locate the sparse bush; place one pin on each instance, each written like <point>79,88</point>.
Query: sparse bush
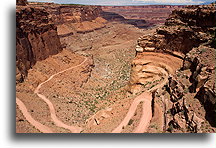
<point>130,122</point>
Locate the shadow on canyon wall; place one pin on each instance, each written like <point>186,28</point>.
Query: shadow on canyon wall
<point>139,23</point>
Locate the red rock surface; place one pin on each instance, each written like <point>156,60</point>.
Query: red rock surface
<point>152,14</point>
<point>36,38</point>
<point>188,96</point>
<point>184,29</point>
<point>74,18</point>
<point>39,26</point>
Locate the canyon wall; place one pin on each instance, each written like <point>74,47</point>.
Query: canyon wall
<point>184,29</point>
<point>71,19</point>
<point>21,2</point>
<point>152,14</point>
<point>188,34</point>
<point>200,62</point>
<point>39,27</point>
<point>36,38</point>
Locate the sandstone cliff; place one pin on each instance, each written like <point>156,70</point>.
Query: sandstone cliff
<point>183,30</point>
<point>152,14</point>
<point>72,19</point>
<point>188,94</point>
<point>39,28</point>
<point>201,63</point>
<point>36,38</point>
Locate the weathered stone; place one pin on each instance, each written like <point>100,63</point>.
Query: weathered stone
<point>139,49</point>
<point>36,39</point>
<point>182,31</point>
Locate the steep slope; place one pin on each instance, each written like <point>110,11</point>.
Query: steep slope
<point>40,27</point>
<point>151,14</point>
<point>21,2</point>
<point>183,30</point>
<point>72,19</point>
<point>36,38</point>
<point>188,36</point>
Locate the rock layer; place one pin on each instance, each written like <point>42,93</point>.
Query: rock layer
<point>203,78</point>
<point>21,2</point>
<point>182,31</point>
<point>71,19</point>
<point>39,27</point>
<point>36,38</point>
<point>188,34</point>
<point>152,14</point>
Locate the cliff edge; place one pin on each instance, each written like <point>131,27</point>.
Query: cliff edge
<point>36,38</point>
<point>187,92</point>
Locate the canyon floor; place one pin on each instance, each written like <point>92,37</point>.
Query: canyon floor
<point>95,85</point>
<point>85,87</point>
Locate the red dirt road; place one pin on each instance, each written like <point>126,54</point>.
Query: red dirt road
<point>146,97</point>
<point>146,114</point>
<point>59,123</point>
<point>27,115</point>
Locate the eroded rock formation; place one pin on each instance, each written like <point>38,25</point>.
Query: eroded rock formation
<point>39,27</point>
<point>152,14</point>
<point>71,19</point>
<point>36,38</point>
<point>202,78</point>
<point>182,31</point>
<point>188,34</point>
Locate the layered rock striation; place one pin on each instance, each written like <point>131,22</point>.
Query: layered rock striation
<point>21,2</point>
<point>201,62</point>
<point>36,38</point>
<point>152,14</point>
<point>39,27</point>
<point>183,30</point>
<point>188,94</point>
<point>72,19</point>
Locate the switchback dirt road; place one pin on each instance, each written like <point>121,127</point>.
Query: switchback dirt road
<point>146,97</point>
<point>58,122</point>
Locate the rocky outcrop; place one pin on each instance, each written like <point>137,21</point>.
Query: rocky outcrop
<point>151,14</point>
<point>73,13</point>
<point>180,117</point>
<point>111,16</point>
<point>188,34</point>
<point>200,61</point>
<point>72,19</point>
<point>184,29</point>
<point>202,79</point>
<point>39,26</point>
<point>36,38</point>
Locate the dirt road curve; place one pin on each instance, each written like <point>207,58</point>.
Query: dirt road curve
<point>59,123</point>
<point>38,125</point>
<point>144,121</point>
<point>146,114</point>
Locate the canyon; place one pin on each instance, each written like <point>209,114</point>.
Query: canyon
<point>114,69</point>
<point>151,14</point>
